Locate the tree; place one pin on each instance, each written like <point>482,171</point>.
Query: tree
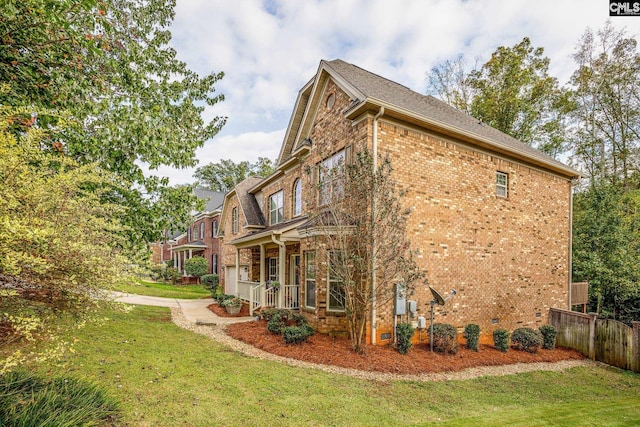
<point>60,243</point>
<point>606,136</point>
<point>364,226</point>
<point>224,175</point>
<point>131,101</point>
<point>512,92</point>
<point>196,266</point>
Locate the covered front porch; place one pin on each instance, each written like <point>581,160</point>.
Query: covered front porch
<point>272,277</point>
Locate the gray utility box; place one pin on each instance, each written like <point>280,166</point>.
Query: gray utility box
<point>400,301</point>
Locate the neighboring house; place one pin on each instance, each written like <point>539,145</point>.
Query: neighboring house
<point>491,216</point>
<point>200,238</point>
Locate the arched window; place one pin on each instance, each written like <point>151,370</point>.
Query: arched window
<point>214,228</point>
<point>297,197</point>
<point>201,230</point>
<point>234,221</point>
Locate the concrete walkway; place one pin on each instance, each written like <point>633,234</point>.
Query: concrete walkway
<point>194,310</point>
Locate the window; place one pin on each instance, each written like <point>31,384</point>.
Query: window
<point>310,279</point>
<point>194,234</point>
<point>234,220</point>
<point>336,291</point>
<point>201,230</point>
<point>188,234</point>
<point>214,263</point>
<point>297,197</point>
<point>276,208</point>
<point>214,228</point>
<point>502,184</point>
<point>273,270</point>
<point>330,177</point>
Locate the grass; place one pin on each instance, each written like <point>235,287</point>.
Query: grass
<point>165,290</point>
<point>166,376</point>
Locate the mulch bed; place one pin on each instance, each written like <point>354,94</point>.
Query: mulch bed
<point>222,312</point>
<point>326,350</point>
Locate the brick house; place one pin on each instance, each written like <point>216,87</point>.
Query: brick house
<point>491,216</point>
<point>200,238</point>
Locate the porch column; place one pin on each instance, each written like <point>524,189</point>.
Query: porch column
<point>175,259</point>
<point>282,251</point>
<point>262,264</point>
<point>237,266</point>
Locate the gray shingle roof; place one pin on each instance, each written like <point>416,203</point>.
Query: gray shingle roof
<point>214,198</point>
<point>252,212</point>
<point>373,87</point>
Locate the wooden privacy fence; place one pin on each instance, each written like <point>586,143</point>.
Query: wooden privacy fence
<point>604,340</point>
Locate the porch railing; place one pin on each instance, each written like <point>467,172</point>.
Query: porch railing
<point>258,296</point>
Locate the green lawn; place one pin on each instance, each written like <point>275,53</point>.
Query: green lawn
<point>165,290</point>
<point>166,376</point>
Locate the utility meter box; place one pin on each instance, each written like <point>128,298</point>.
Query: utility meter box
<point>400,305</point>
<point>412,306</point>
<point>422,322</point>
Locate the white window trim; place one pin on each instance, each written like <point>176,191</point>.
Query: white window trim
<point>502,189</point>
<point>329,285</point>
<point>273,269</point>
<point>307,279</point>
<point>234,220</point>
<point>331,167</point>
<point>276,208</point>
<point>297,197</point>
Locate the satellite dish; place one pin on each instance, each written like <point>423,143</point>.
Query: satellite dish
<point>437,298</point>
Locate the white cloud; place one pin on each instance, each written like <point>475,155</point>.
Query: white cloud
<point>269,49</point>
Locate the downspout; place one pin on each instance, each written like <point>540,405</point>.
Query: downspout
<point>570,243</point>
<point>374,261</point>
<point>281,268</point>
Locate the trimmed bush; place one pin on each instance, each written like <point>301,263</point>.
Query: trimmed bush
<point>172,274</point>
<point>277,323</point>
<point>270,312</point>
<point>527,339</point>
<point>501,340</point>
<point>445,338</point>
<point>210,282</point>
<point>297,334</point>
<point>549,334</point>
<point>196,266</point>
<point>472,335</point>
<point>404,333</point>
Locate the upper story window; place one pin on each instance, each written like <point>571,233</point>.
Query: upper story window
<point>234,220</point>
<point>502,184</point>
<point>330,177</point>
<point>297,197</point>
<point>276,208</point>
<point>201,230</point>
<point>194,234</point>
<point>214,228</point>
<point>189,234</point>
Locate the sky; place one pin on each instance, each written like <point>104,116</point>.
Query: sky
<point>268,49</point>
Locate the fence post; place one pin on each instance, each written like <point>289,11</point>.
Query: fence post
<point>592,335</point>
<point>635,351</point>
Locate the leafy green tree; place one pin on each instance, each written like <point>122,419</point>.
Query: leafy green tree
<point>132,102</point>
<point>196,266</point>
<point>512,92</point>
<point>606,93</point>
<point>60,243</point>
<point>224,175</point>
<point>606,249</point>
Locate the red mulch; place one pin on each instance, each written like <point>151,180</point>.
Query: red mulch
<point>323,349</point>
<point>222,312</point>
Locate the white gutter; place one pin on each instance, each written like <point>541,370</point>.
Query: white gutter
<point>374,261</point>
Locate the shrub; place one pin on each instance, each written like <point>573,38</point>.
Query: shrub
<point>549,334</point>
<point>172,274</point>
<point>404,333</point>
<point>445,338</point>
<point>30,400</point>
<point>277,323</point>
<point>501,340</point>
<point>156,271</point>
<point>196,266</point>
<point>472,335</point>
<point>527,339</point>
<point>221,298</point>
<point>270,312</point>
<point>297,334</point>
<point>210,282</point>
